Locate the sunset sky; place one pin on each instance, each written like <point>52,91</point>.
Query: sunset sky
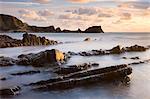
<point>112,15</point>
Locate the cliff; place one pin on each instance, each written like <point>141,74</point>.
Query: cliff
<point>10,23</point>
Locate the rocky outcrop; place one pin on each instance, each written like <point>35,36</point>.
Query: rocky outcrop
<point>10,91</point>
<point>6,61</point>
<point>7,41</point>
<point>114,50</point>
<point>82,78</point>
<point>94,29</point>
<point>12,24</point>
<point>28,40</point>
<point>44,58</point>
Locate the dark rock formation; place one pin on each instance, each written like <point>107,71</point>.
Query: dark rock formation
<point>28,40</point>
<point>75,68</point>
<point>94,29</point>
<point>10,91</point>
<point>12,24</point>
<point>58,29</point>
<point>44,58</point>
<point>6,41</point>
<point>6,61</point>
<point>114,50</point>
<point>107,74</point>
<point>26,73</point>
<point>87,39</point>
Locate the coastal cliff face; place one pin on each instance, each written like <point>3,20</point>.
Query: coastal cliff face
<point>10,23</point>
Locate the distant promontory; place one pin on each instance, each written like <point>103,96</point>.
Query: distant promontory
<point>10,23</point>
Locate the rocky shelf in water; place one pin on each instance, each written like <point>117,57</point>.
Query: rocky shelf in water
<point>28,40</point>
<point>114,50</point>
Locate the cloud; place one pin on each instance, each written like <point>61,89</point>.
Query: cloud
<point>41,1</point>
<point>135,4</point>
<point>31,15</point>
<point>45,12</point>
<point>105,15</point>
<point>80,1</point>
<point>125,16</point>
<point>84,11</point>
<point>27,1</point>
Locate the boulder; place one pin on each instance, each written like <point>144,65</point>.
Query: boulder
<point>116,50</point>
<point>10,91</point>
<point>87,39</point>
<point>7,61</point>
<point>44,58</point>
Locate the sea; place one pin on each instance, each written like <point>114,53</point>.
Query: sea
<point>139,87</point>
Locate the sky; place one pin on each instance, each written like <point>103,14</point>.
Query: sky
<point>112,15</point>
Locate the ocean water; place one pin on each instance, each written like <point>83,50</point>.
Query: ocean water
<point>139,87</point>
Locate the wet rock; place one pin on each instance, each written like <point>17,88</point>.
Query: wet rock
<point>3,78</point>
<point>116,50</point>
<point>7,41</point>
<point>6,61</point>
<point>84,77</point>
<point>26,72</point>
<point>135,48</point>
<point>44,58</point>
<point>28,40</point>
<point>134,58</point>
<point>31,40</point>
<point>87,39</point>
<point>96,78</point>
<point>74,68</point>
<point>10,91</point>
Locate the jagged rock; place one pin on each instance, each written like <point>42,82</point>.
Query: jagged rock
<point>10,91</point>
<point>87,39</point>
<point>30,39</point>
<point>26,73</point>
<point>94,29</point>
<point>6,61</point>
<point>7,41</point>
<point>44,58</point>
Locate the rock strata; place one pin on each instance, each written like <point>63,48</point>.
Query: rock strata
<point>84,77</point>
